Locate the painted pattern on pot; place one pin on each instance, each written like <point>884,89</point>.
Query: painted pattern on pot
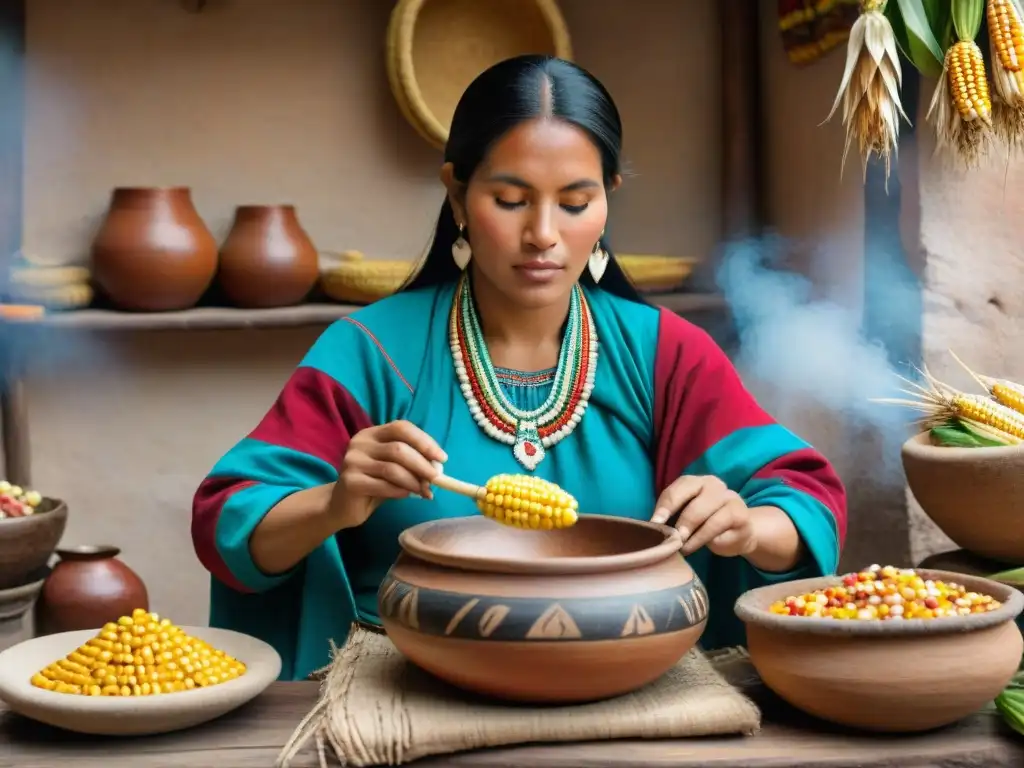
<point>483,617</point>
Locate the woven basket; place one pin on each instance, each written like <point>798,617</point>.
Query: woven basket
<point>435,48</point>
<point>656,273</point>
<point>57,287</point>
<point>353,279</point>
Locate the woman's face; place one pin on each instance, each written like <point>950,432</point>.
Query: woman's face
<point>533,210</point>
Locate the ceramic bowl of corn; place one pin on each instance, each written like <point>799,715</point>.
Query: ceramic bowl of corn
<point>885,648</point>
<point>140,674</point>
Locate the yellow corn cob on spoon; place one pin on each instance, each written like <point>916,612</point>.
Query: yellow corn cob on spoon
<point>519,501</point>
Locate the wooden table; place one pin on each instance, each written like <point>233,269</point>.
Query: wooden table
<point>252,738</point>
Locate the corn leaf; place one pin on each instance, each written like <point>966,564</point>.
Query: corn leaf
<point>1014,577</point>
<point>967,16</point>
<point>918,43</point>
<point>961,436</point>
<point>1011,706</point>
<point>989,435</point>
<point>940,19</point>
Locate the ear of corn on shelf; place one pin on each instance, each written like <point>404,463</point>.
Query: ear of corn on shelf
<point>522,501</point>
<point>963,419</point>
<point>139,655</point>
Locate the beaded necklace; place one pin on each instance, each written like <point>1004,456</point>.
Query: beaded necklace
<point>529,433</point>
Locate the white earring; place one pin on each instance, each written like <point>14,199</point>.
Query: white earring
<point>461,252</point>
<point>598,262</point>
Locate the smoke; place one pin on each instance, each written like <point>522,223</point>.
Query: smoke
<point>808,353</point>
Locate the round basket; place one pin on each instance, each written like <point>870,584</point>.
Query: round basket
<point>656,273</point>
<point>52,287</point>
<point>353,279</point>
<point>435,48</point>
<point>357,280</point>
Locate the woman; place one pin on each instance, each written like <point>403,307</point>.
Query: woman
<point>472,365</point>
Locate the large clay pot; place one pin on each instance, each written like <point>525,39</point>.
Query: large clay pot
<point>267,260</point>
<point>887,676</point>
<point>561,616</point>
<point>972,494</point>
<point>153,252</point>
<point>88,587</point>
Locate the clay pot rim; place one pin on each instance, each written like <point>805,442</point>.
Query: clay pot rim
<point>919,447</point>
<point>23,590</point>
<point>253,207</point>
<point>752,608</point>
<point>59,509</point>
<point>83,552</point>
<point>150,190</point>
<point>409,540</point>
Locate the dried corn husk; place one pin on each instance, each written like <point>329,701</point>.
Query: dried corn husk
<point>870,88</point>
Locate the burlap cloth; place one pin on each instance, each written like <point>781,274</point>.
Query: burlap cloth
<point>375,708</point>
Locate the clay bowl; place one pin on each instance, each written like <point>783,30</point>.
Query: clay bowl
<point>904,676</point>
<point>26,543</point>
<point>975,495</point>
<point>568,616</point>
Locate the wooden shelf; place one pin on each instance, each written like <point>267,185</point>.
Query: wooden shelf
<point>227,318</point>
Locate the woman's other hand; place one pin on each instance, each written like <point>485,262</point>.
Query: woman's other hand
<point>708,514</point>
<point>391,461</point>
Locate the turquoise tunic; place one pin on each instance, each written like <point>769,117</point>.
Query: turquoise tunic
<point>391,360</point>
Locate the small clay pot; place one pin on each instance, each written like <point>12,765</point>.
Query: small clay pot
<point>560,616</point>
<point>88,587</point>
<point>267,260</point>
<point>153,253</point>
<point>891,676</point>
<point>972,494</point>
<point>27,543</point>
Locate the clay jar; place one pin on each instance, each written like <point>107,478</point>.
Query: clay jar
<point>267,260</point>
<point>88,587</point>
<point>562,616</point>
<point>153,253</point>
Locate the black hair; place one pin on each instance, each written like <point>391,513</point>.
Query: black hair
<point>501,97</point>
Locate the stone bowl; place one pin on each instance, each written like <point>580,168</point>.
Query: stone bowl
<point>975,495</point>
<point>15,603</point>
<point>887,676</point>
<point>562,616</point>
<point>27,543</point>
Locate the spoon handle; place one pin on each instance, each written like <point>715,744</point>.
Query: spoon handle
<point>456,486</point>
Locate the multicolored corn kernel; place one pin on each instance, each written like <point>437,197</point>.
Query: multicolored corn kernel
<point>885,594</point>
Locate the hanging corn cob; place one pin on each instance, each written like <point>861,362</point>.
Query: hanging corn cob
<point>1006,56</point>
<point>870,88</point>
<point>961,108</point>
<point>938,38</point>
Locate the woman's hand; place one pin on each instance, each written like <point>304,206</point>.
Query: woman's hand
<point>391,461</point>
<point>709,514</point>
